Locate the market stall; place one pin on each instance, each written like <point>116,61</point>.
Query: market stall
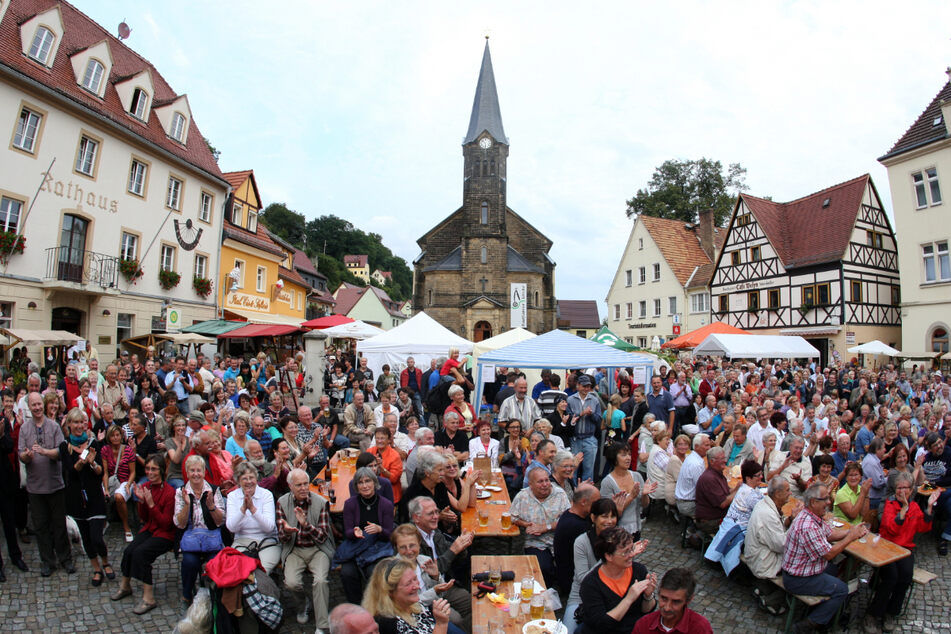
<point>757,347</point>
<point>420,337</point>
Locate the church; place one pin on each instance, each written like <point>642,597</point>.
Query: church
<point>470,261</point>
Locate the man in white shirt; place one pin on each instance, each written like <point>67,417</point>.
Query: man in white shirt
<point>693,467</point>
<point>812,423</point>
<point>520,407</point>
<point>384,408</point>
<point>760,427</point>
<point>706,414</point>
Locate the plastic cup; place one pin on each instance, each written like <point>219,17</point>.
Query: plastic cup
<point>483,518</point>
<point>506,521</point>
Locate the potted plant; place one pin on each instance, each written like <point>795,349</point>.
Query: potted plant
<point>805,308</point>
<point>130,269</point>
<point>10,243</point>
<point>168,279</point>
<point>202,286</point>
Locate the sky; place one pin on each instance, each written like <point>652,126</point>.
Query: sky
<point>359,109</point>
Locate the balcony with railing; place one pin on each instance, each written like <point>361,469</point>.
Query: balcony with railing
<point>76,269</point>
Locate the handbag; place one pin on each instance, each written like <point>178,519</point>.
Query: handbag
<point>197,539</point>
<point>114,483</point>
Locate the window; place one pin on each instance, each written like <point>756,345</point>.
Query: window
<point>42,43</point>
<point>239,268</point>
<point>178,127</point>
<point>236,214</point>
<point>252,221</point>
<point>10,210</point>
<point>656,271</point>
<point>699,303</point>
<point>140,100</point>
<point>628,277</point>
<point>173,197</point>
<point>743,220</point>
<point>735,258</point>
<point>137,178</point>
<point>874,239</point>
<point>755,254</point>
<point>772,298</point>
<point>483,255</point>
<point>937,266</point>
<point>752,300</point>
<point>484,216</point>
<point>204,210</point>
<point>939,340</point>
<point>641,342</point>
<point>27,127</point>
<point>86,157</point>
<point>430,293</point>
<point>642,309</point>
<point>630,310</point>
<point>92,77</point>
<point>856,291</point>
<point>926,182</point>
<point>582,333</point>
<point>129,247</point>
<point>617,312</point>
<point>896,295</point>
<point>672,305</point>
<point>168,258</point>
<point>724,303</point>
<point>123,326</point>
<point>640,244</point>
<point>816,295</point>
<point>657,304</point>
<point>201,266</point>
<point>261,280</point>
<point>642,275</point>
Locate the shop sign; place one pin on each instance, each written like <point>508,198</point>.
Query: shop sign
<point>250,302</point>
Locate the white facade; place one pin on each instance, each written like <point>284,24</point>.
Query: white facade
<point>88,191</point>
<point>646,299</point>
<point>920,182</point>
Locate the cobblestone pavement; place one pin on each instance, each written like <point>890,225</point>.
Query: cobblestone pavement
<point>67,603</point>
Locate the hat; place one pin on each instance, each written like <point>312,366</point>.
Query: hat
<point>196,416</point>
<point>584,379</point>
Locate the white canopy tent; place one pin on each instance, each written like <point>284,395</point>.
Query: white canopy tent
<point>875,347</point>
<point>420,337</point>
<point>558,349</point>
<point>757,347</point>
<point>507,338</point>
<point>358,330</point>
<point>18,336</point>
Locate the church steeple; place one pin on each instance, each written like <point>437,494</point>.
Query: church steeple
<point>486,114</point>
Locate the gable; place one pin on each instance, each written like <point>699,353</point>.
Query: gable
<point>99,52</point>
<point>51,19</point>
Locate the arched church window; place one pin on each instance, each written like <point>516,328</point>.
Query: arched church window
<point>483,255</point>
<point>491,167</point>
<point>536,299</point>
<point>430,297</point>
<point>484,218</point>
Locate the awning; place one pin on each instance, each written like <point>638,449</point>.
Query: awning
<point>214,327</point>
<point>918,355</point>
<point>39,337</point>
<point>328,321</point>
<point>812,331</point>
<point>266,318</point>
<point>260,330</point>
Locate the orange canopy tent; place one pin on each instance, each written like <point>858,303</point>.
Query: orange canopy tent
<point>695,338</point>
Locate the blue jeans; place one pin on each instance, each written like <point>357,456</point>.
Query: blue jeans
<point>341,442</point>
<point>824,584</point>
<point>589,446</point>
<point>191,566</point>
<point>176,483</point>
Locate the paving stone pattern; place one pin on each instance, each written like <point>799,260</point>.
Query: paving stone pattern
<point>67,603</point>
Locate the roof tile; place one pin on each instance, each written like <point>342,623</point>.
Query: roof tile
<point>924,130</point>
<point>578,313</point>
<point>680,246</point>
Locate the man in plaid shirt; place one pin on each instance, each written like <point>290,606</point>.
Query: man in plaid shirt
<point>303,527</point>
<point>811,545</point>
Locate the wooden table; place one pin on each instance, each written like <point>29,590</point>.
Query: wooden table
<point>928,492</point>
<point>790,506</point>
<point>470,517</point>
<point>876,554</point>
<point>483,610</point>
<point>341,482</point>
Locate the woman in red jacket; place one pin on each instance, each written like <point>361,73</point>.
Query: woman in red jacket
<point>901,521</point>
<point>155,538</point>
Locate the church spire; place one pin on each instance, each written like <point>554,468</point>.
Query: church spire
<point>486,115</point>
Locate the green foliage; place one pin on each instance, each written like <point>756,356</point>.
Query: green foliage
<point>680,189</point>
<point>284,222</point>
<point>215,152</point>
<point>168,279</point>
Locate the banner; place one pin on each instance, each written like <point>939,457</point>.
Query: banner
<point>519,303</point>
<point>173,319</point>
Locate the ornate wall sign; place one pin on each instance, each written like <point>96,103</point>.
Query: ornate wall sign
<point>189,235</point>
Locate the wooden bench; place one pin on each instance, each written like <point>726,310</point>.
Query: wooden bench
<point>920,577</point>
<point>793,601</point>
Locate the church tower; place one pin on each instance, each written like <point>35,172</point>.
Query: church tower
<point>468,262</point>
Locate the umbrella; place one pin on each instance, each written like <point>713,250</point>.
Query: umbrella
<point>695,338</point>
<point>326,322</point>
<point>875,347</point>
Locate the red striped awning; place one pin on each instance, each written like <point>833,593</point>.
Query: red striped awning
<point>260,330</point>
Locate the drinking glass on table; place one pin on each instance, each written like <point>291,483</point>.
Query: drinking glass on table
<point>483,517</point>
<point>537,609</point>
<point>515,600</point>
<point>528,587</point>
<point>495,576</point>
<point>506,521</point>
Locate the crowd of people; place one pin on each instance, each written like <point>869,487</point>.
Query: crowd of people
<point>195,455</point>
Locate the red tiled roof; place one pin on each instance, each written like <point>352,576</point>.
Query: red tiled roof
<point>79,33</point>
<point>391,307</point>
<point>680,246</point>
<point>347,297</point>
<point>304,263</point>
<point>236,179</point>
<point>292,276</point>
<point>578,313</point>
<point>322,297</point>
<point>924,130</point>
<point>360,260</point>
<point>802,231</point>
<point>256,240</point>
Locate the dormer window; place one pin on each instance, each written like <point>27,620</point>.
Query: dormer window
<point>140,101</point>
<point>178,127</point>
<point>252,221</point>
<point>42,44</point>
<point>92,77</point>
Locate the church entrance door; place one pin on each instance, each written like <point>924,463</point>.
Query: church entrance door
<point>482,331</point>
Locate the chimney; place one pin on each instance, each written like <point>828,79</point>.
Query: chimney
<point>705,233</point>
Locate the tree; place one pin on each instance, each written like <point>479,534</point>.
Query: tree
<point>215,152</point>
<point>286,223</point>
<point>680,189</point>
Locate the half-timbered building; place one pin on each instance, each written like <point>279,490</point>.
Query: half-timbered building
<point>824,267</point>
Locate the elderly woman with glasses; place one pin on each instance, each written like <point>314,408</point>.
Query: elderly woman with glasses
<point>367,519</point>
<point>155,537</point>
<point>251,517</point>
<point>603,516</point>
<point>618,591</point>
<point>393,598</point>
<point>408,542</point>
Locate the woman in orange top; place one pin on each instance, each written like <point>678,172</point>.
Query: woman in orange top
<point>391,466</point>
